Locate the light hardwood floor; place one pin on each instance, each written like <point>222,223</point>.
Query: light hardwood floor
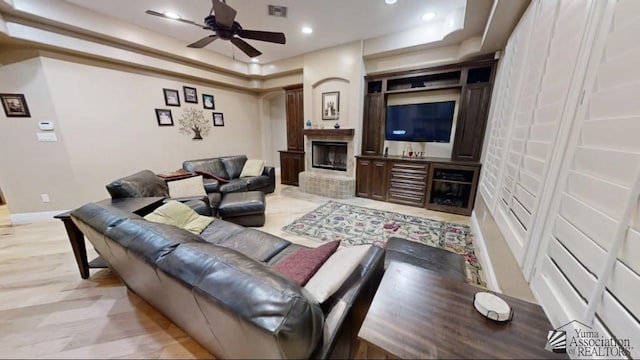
<point>48,311</point>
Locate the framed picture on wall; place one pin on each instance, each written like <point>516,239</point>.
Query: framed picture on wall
<point>208,102</point>
<point>218,119</point>
<point>190,94</point>
<point>15,105</point>
<point>171,97</point>
<point>330,105</point>
<point>164,117</point>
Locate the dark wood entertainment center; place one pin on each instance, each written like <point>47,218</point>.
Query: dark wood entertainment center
<point>435,183</point>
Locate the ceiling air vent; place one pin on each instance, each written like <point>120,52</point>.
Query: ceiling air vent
<point>278,11</point>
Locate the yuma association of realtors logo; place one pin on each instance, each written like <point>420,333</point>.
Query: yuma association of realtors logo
<point>582,340</point>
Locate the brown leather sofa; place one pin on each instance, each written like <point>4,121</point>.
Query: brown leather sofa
<point>227,169</point>
<point>219,287</point>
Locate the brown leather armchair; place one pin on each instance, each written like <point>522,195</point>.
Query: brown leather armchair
<point>147,184</point>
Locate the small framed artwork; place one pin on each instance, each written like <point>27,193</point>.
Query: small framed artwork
<point>164,117</point>
<point>15,105</point>
<point>208,102</point>
<point>171,97</point>
<point>218,119</point>
<point>330,105</point>
<point>190,94</point>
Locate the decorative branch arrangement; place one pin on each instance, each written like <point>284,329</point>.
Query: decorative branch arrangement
<point>193,120</point>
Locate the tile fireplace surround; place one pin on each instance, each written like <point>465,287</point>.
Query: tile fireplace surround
<point>331,183</point>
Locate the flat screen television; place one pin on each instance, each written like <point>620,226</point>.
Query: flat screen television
<point>427,122</point>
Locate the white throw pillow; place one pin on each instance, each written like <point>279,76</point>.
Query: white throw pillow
<point>252,168</point>
<point>329,278</point>
<point>193,186</point>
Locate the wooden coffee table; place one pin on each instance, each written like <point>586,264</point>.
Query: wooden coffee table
<point>418,314</point>
<point>140,206</point>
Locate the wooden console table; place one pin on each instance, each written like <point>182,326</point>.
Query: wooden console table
<point>417,314</point>
<point>140,206</point>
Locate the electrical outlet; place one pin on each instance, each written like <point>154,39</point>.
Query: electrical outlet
<point>45,198</point>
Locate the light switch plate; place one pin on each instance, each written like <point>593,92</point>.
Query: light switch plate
<point>47,137</point>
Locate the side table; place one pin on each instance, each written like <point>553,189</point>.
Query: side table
<point>418,314</point>
<point>140,206</point>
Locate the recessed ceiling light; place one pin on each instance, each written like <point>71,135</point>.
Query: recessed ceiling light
<point>171,15</point>
<point>390,2</point>
<point>428,16</point>
<point>307,30</point>
<point>255,60</point>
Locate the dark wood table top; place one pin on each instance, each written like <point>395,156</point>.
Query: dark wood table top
<point>133,205</point>
<point>418,314</point>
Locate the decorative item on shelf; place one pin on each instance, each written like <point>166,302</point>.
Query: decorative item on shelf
<point>309,125</point>
<point>492,307</point>
<point>337,124</point>
<point>193,120</point>
<point>386,151</point>
<point>409,152</point>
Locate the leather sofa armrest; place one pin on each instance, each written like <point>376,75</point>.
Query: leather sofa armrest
<point>211,186</point>
<point>345,310</point>
<point>199,204</point>
<point>270,171</point>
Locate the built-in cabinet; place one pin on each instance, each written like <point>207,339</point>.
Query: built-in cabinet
<point>292,159</point>
<point>433,183</point>
<point>473,79</point>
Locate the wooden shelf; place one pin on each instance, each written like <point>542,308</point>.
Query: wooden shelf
<point>329,132</point>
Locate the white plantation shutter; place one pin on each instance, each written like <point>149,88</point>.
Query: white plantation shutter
<point>601,161</point>
<point>503,105</point>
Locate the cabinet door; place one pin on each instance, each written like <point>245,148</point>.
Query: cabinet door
<point>363,167</point>
<point>291,164</point>
<point>295,122</point>
<point>373,126</point>
<point>378,180</point>
<point>472,121</point>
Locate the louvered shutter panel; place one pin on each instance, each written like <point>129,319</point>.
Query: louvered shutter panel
<point>601,162</point>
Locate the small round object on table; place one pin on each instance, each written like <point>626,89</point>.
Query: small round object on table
<point>492,307</point>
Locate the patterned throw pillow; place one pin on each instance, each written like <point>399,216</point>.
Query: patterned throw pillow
<point>303,263</point>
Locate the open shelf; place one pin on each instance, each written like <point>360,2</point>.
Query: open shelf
<point>438,80</point>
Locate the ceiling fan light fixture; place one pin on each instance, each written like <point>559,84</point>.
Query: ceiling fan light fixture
<point>307,30</point>
<point>172,15</point>
<point>390,2</point>
<point>428,16</point>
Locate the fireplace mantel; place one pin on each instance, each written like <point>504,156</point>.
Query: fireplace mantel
<point>329,132</point>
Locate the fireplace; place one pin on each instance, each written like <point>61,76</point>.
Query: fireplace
<point>329,155</point>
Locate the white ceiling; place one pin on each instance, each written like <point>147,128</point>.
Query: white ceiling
<point>334,22</point>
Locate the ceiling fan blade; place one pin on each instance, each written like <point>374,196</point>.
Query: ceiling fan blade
<point>155,13</point>
<point>203,42</point>
<point>274,37</point>
<point>225,14</point>
<point>245,47</point>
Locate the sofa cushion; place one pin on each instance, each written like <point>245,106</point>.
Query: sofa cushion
<point>234,185</point>
<point>303,263</point>
<point>178,214</point>
<point>188,187</point>
<point>255,244</point>
<point>212,165</point>
<point>234,165</point>
<point>252,167</point>
<point>332,274</point>
<point>141,184</point>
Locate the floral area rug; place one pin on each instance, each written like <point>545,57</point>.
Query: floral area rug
<point>356,225</point>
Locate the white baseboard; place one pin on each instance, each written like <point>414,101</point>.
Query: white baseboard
<point>485,260</point>
<point>33,216</point>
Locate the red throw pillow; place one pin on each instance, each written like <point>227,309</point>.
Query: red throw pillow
<point>208,175</point>
<point>303,263</point>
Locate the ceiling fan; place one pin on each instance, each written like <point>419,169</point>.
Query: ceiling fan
<point>221,20</point>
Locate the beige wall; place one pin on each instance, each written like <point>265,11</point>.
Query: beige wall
<point>106,126</point>
<point>278,127</point>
